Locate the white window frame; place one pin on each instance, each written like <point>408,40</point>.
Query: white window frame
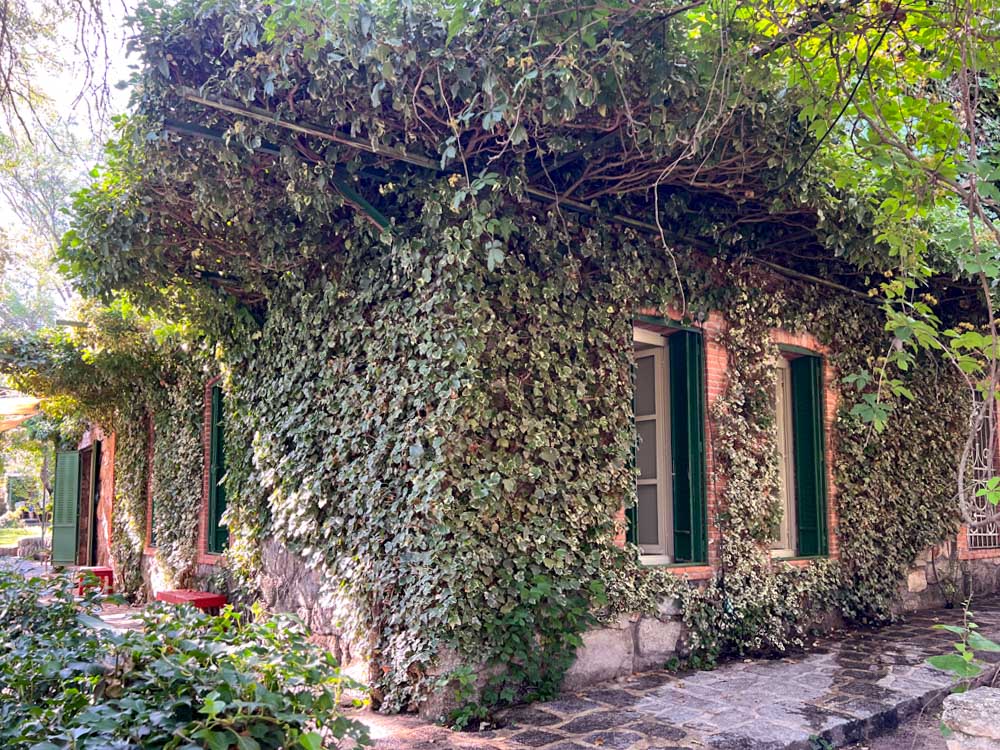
<point>786,544</point>
<point>662,553</point>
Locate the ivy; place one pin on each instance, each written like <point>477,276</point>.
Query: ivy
<point>434,410</point>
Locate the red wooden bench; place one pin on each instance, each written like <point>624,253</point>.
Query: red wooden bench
<point>105,574</point>
<point>203,600</point>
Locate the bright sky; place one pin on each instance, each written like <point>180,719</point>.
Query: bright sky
<point>60,80</point>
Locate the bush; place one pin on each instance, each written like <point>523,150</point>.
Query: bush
<point>187,680</point>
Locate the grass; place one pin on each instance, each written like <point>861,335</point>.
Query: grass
<point>10,537</point>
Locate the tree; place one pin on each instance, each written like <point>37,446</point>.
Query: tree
<point>36,181</point>
<point>34,38</point>
<point>902,99</point>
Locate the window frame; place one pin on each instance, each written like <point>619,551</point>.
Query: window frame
<point>663,552</point>
<point>786,545</point>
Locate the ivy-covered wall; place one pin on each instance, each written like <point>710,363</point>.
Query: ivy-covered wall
<point>441,422</point>
<point>164,476</point>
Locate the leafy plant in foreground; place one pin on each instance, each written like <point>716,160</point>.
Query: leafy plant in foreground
<point>186,680</point>
<point>962,661</point>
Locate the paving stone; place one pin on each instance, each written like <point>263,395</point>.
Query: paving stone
<point>614,740</point>
<point>600,720</point>
<point>658,729</point>
<point>648,681</point>
<point>570,705</point>
<point>535,738</point>
<point>731,741</point>
<point>846,689</point>
<point>612,697</point>
<point>531,717</point>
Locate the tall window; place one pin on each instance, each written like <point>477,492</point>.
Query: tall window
<point>801,531</point>
<point>668,519</point>
<point>218,534</point>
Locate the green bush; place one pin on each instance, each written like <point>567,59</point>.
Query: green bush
<point>187,680</point>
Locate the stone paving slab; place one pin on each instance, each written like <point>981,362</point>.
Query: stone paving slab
<point>855,685</point>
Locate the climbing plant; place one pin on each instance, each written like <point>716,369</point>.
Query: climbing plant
<point>129,372</point>
<point>415,236</point>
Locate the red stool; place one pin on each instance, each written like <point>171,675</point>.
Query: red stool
<point>105,574</point>
<point>203,600</point>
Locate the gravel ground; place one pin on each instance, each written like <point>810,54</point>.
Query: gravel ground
<point>919,733</point>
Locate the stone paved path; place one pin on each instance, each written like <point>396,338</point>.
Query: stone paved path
<point>857,685</point>
<point>860,684</point>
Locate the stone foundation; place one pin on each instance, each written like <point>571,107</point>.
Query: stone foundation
<point>32,548</point>
<point>939,577</point>
<point>288,584</point>
<point>634,643</point>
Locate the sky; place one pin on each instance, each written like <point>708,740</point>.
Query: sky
<point>59,78</point>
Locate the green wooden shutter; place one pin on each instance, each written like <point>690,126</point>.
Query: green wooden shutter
<point>809,454</point>
<point>218,535</point>
<point>65,503</point>
<point>687,445</point>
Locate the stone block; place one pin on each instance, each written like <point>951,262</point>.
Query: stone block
<point>31,547</point>
<point>657,641</point>
<point>916,581</point>
<point>605,654</point>
<point>974,719</point>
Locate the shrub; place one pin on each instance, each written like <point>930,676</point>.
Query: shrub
<point>187,680</point>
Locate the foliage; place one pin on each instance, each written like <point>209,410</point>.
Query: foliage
<point>187,680</point>
<point>37,42</point>
<point>124,370</point>
<point>436,412</point>
<point>963,661</point>
<point>36,182</point>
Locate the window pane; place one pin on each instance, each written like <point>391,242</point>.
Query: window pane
<point>648,517</point>
<point>645,387</point>
<point>646,450</point>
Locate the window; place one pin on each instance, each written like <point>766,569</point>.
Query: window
<point>801,531</point>
<point>218,534</point>
<point>667,521</point>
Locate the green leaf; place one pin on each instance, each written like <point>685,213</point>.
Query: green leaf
<point>955,664</point>
<point>979,642</point>
<point>311,741</point>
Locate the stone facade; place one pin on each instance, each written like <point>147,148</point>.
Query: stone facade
<point>632,644</point>
<point>32,548</point>
<point>288,584</point>
<point>947,575</point>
